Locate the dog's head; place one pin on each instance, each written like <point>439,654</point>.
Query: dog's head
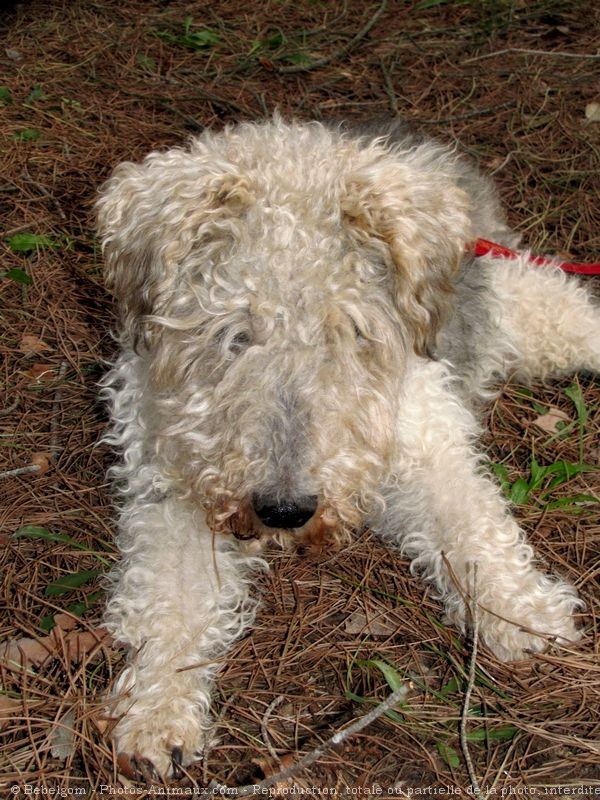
<point>275,279</point>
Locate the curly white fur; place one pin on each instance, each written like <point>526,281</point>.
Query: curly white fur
<point>302,336</point>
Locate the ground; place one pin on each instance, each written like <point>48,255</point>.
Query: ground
<point>84,85</point>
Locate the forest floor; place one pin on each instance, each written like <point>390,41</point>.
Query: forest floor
<point>85,85</point>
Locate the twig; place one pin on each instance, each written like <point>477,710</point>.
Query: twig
<point>321,62</point>
<point>478,112</point>
<point>56,409</point>
<point>41,188</point>
<point>470,684</point>
<point>500,167</point>
<point>5,412</point>
<point>190,122</point>
<point>337,738</point>
<point>389,87</point>
<point>558,53</point>
<point>167,102</point>
<point>264,729</point>
<point>10,473</point>
<point>328,26</point>
<point>11,231</point>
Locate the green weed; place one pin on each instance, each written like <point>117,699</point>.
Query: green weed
<point>17,275</point>
<point>201,39</point>
<point>575,395</point>
<point>146,62</point>
<point>28,242</point>
<point>67,583</point>
<point>26,135</point>
<point>542,481</point>
<point>445,729</point>
<point>36,532</point>
<point>78,609</point>
<point>70,582</point>
<point>35,94</point>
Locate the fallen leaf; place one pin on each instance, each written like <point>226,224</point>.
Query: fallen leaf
<point>66,622</point>
<point>74,646</point>
<point>100,722</point>
<point>62,736</point>
<point>31,344</point>
<point>8,709</point>
<point>551,420</point>
<point>126,766</point>
<point>592,112</point>
<point>359,623</point>
<point>42,372</point>
<point>495,163</point>
<point>77,644</point>
<point>17,652</point>
<point>41,460</point>
<point>269,768</point>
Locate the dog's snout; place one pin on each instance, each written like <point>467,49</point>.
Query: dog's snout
<point>285,513</point>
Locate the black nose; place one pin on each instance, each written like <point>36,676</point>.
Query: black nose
<point>285,513</point>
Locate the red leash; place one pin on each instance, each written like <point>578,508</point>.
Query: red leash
<point>484,248</point>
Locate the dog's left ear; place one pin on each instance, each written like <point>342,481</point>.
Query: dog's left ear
<point>413,206</point>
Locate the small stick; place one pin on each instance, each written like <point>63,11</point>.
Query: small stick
<point>265,721</point>
<point>55,410</point>
<point>556,53</point>
<point>340,736</point>
<point>389,88</point>
<point>478,112</point>
<point>40,186</point>
<point>10,473</point>
<point>470,684</point>
<point>5,412</point>
<point>321,62</point>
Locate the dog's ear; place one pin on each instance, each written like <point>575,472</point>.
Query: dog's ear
<point>151,218</point>
<point>410,207</point>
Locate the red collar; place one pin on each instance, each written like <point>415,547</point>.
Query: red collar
<point>482,247</point>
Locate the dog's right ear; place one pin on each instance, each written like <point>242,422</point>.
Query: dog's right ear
<point>151,218</point>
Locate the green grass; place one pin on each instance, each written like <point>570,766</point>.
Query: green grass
<point>202,38</point>
<point>444,730</point>
<point>66,583</point>
<point>542,482</point>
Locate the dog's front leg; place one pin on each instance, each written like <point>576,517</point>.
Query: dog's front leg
<point>180,599</point>
<point>447,514</point>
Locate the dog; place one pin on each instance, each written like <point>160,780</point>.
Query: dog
<point>306,339</point>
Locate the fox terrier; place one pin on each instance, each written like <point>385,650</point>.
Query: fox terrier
<point>305,338</point>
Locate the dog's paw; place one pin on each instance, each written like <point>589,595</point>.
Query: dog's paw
<point>513,641</point>
<point>516,630</point>
<point>154,744</point>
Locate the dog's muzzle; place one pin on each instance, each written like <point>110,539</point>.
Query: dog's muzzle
<point>285,514</point>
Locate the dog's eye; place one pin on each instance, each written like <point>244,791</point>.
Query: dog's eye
<point>239,342</point>
<point>231,342</point>
<point>360,337</point>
